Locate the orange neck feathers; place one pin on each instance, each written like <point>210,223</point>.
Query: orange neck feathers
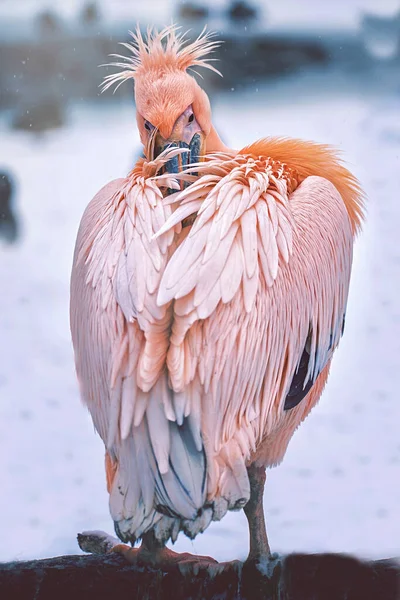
<point>308,158</point>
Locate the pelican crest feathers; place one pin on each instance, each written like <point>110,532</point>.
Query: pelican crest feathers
<point>165,49</point>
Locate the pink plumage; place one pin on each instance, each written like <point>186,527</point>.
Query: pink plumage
<point>204,321</point>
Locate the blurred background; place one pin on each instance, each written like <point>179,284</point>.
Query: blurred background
<point>323,71</point>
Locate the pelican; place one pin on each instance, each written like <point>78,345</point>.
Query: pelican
<point>208,296</point>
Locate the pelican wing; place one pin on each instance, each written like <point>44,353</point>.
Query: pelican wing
<point>243,225</point>
<point>113,309</point>
<point>260,287</point>
<point>120,337</point>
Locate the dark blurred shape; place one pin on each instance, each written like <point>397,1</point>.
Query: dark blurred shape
<point>245,60</point>
<point>242,11</point>
<point>381,35</point>
<point>192,11</point>
<point>48,23</point>
<point>90,13</point>
<point>288,55</point>
<point>8,223</point>
<point>41,116</point>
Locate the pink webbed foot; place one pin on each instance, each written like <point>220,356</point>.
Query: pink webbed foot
<point>150,553</point>
<point>163,558</point>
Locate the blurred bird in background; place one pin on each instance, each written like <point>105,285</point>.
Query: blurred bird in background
<point>208,296</point>
<point>8,222</point>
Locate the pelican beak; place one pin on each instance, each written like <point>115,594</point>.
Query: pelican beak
<point>179,162</point>
<point>189,136</point>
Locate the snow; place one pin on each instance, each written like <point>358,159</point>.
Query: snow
<point>338,488</point>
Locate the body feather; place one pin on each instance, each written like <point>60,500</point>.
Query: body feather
<point>199,350</point>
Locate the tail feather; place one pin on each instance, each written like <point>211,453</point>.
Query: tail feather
<point>159,431</point>
<point>161,475</point>
<point>144,478</point>
<point>165,477</point>
<point>195,526</point>
<point>184,483</point>
<point>133,488</point>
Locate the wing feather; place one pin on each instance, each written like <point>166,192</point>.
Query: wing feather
<point>120,336</point>
<point>231,276</point>
<point>248,230</point>
<point>128,401</point>
<point>192,347</point>
<point>269,259</point>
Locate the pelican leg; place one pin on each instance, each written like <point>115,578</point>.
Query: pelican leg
<point>254,511</point>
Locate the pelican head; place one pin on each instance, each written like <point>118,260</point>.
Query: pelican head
<point>172,110</point>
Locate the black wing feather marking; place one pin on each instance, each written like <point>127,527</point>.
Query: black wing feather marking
<point>298,390</point>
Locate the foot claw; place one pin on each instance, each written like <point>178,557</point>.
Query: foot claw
<point>191,564</point>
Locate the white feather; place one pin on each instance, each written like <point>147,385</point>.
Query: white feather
<point>127,405</point>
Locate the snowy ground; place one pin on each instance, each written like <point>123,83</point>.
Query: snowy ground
<point>339,486</point>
